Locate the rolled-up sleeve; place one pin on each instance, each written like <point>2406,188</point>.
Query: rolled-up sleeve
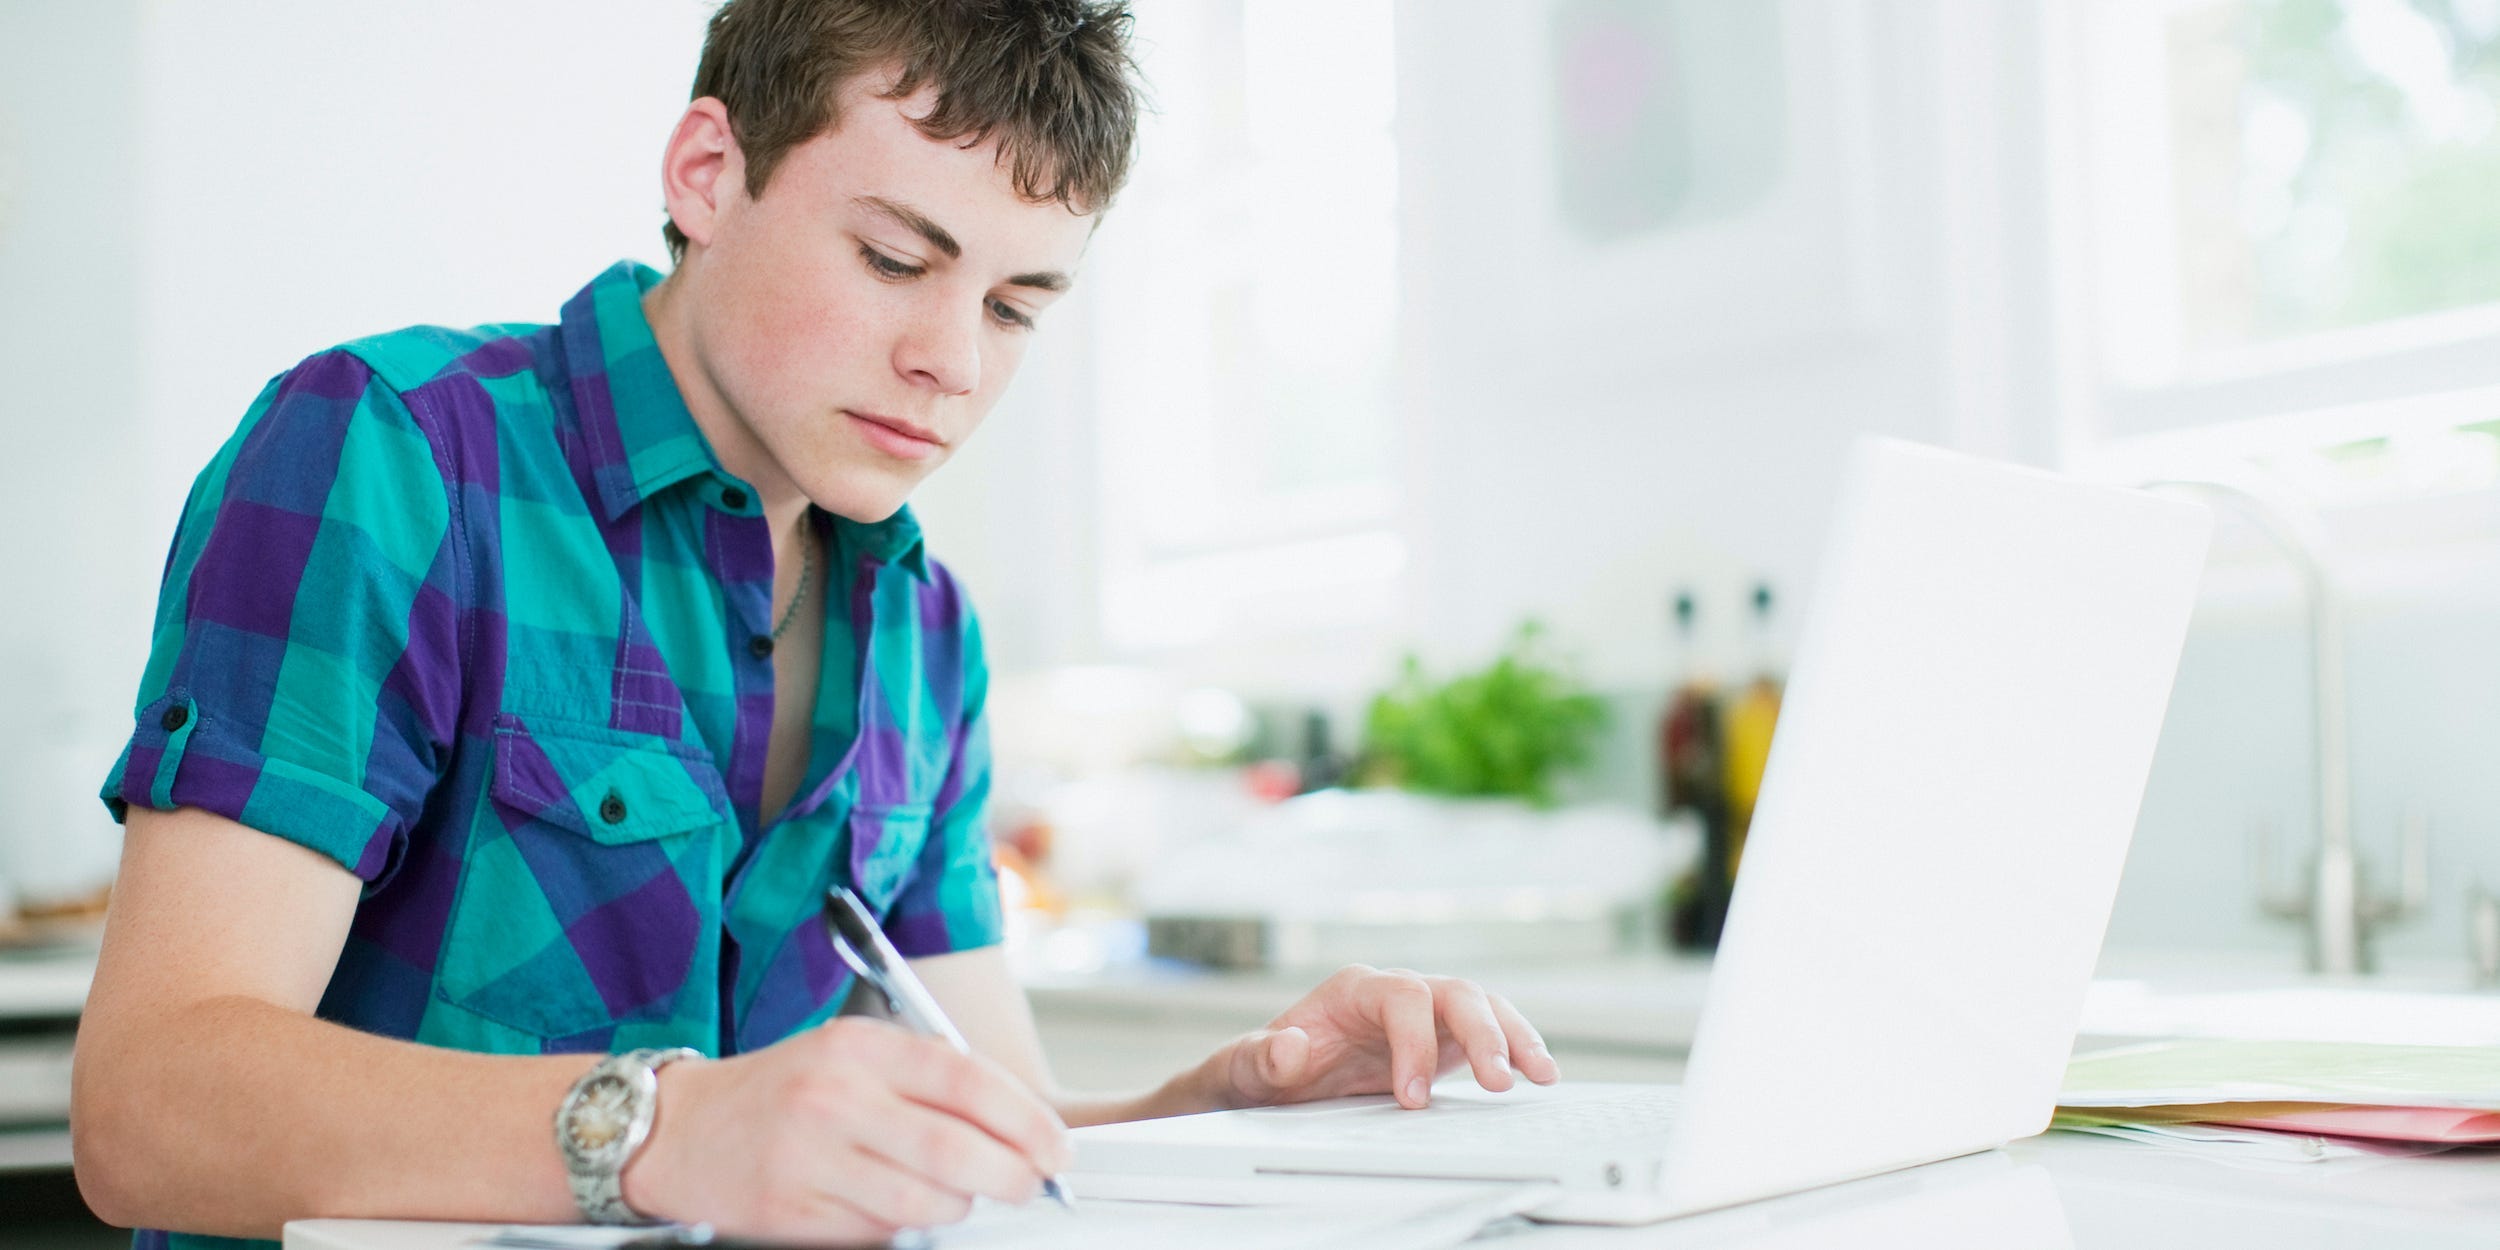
<point>304,673</point>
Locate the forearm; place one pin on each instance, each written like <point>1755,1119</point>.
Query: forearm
<point>1186,1094</point>
<point>232,1115</point>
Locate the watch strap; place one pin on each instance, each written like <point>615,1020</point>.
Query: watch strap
<point>598,1183</point>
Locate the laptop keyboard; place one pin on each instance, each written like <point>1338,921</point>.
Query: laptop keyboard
<point>1634,1117</point>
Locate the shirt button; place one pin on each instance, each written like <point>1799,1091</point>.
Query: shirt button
<point>760,646</point>
<point>175,718</point>
<point>734,499</point>
<point>612,809</point>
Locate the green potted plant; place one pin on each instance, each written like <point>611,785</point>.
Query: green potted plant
<point>1506,731</point>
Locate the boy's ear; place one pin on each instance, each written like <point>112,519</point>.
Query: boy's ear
<point>700,168</point>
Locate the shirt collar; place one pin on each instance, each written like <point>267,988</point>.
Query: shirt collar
<point>642,440</point>
<point>894,540</point>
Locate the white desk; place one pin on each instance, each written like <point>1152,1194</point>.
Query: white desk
<point>2060,1190</point>
<point>2054,1191</point>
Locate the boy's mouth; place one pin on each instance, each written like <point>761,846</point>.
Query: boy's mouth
<point>897,437</point>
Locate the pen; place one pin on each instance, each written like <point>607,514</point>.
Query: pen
<point>862,945</point>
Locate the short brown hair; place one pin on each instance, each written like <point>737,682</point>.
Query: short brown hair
<point>1051,80</point>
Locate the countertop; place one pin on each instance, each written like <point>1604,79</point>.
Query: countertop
<point>1653,1002</point>
<point>41,993</point>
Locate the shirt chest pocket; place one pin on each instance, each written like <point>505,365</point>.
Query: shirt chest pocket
<point>590,882</point>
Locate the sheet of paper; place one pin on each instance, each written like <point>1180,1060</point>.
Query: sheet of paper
<point>2207,1071</point>
<point>2444,1125</point>
<point>1230,1213</point>
<point>2308,1013</point>
<point>2451,1126</point>
<point>2253,1148</point>
<point>1267,1190</point>
<point>1390,1215</point>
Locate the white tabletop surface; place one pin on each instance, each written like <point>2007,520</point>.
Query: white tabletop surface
<point>2058,1190</point>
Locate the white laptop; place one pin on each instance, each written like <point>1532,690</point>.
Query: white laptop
<point>1957,771</point>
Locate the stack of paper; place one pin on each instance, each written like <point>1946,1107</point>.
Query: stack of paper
<point>2440,1095</point>
<point>1251,1213</point>
<point>1111,1213</point>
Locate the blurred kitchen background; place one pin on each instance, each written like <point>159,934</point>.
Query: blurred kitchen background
<point>1473,331</point>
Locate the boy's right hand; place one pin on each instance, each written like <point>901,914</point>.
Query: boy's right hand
<point>852,1130</point>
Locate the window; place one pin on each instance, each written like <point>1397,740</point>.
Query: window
<point>2290,240</point>
<point>2337,164</point>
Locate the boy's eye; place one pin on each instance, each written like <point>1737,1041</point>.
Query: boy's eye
<point>893,270</point>
<point>1008,315</point>
<point>886,266</point>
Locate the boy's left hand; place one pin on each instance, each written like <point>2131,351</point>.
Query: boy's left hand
<point>1368,1031</point>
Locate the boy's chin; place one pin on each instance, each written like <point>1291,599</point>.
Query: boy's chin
<point>863,497</point>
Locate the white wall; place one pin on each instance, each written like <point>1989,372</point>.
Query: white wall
<point>315,172</point>
<point>69,209</point>
<point>1584,429</point>
<point>197,195</point>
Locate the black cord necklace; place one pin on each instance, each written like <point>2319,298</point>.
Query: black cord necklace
<point>807,574</point>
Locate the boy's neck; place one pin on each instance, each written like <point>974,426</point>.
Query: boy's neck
<point>737,448</point>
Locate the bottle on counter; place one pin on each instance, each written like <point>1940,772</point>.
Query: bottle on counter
<point>1692,779</point>
<point>1323,767</point>
<point>1751,716</point>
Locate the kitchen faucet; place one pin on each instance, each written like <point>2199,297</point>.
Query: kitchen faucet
<point>2336,899</point>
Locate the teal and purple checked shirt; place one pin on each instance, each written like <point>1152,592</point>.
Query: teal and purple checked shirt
<point>478,614</point>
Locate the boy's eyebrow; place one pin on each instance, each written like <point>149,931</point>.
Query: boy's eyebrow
<point>916,220</point>
<point>919,223</point>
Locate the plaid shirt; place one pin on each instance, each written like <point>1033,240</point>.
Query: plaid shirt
<point>477,614</point>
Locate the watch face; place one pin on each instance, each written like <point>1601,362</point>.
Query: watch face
<point>601,1116</point>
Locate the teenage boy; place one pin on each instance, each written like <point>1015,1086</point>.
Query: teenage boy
<point>570,665</point>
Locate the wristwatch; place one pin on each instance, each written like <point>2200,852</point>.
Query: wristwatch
<point>603,1121</point>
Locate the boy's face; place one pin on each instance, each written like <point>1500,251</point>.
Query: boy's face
<point>856,322</point>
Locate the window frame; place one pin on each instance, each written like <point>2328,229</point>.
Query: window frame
<point>2130,395</point>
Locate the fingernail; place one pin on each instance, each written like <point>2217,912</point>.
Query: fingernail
<point>1416,1092</point>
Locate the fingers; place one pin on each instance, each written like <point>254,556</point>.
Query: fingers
<point>939,1161</point>
<point>1424,1024</point>
<point>1527,1047</point>
<point>1403,1005</point>
<point>1288,1055</point>
<point>1467,1012</point>
<point>1266,1067</point>
<point>812,1216</point>
<point>977,1091</point>
<point>1280,1057</point>
<point>893,1195</point>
